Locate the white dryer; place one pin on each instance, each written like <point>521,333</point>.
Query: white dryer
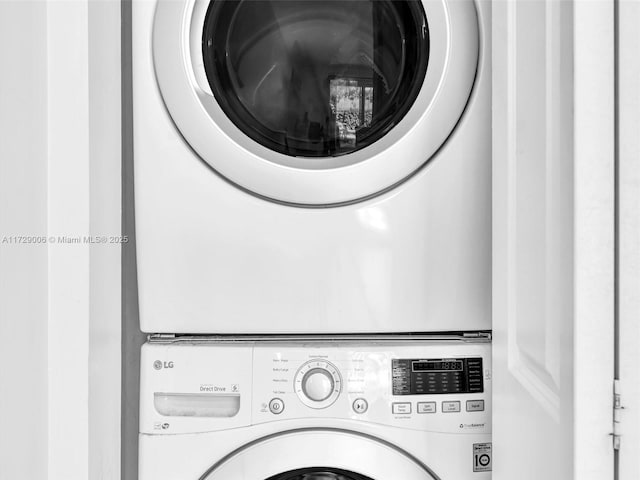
<point>312,166</point>
<point>295,409</point>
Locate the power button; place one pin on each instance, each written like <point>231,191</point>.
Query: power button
<point>276,406</point>
<point>360,405</point>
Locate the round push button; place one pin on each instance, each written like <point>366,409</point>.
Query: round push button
<point>360,405</point>
<point>276,406</point>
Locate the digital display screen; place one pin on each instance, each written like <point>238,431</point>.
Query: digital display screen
<point>438,366</point>
<point>434,376</point>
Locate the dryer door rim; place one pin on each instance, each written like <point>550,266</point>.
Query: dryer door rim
<point>453,61</point>
<point>323,447</point>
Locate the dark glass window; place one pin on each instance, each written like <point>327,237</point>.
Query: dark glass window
<point>319,473</point>
<point>315,78</point>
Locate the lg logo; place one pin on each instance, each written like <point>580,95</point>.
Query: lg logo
<point>159,365</point>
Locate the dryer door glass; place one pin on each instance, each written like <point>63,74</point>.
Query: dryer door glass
<point>315,78</point>
<point>319,473</point>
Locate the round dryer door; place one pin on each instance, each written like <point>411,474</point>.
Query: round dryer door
<point>319,454</point>
<point>316,102</point>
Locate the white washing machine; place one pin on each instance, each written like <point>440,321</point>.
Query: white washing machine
<point>312,166</point>
<point>318,409</point>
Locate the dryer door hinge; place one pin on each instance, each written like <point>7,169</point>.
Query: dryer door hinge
<point>617,414</point>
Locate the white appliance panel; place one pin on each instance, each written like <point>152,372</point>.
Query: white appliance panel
<point>263,372</point>
<point>215,259</point>
<point>378,441</point>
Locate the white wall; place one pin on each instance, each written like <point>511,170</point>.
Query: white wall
<point>105,180</point>
<point>60,303</point>
<point>132,337</point>
<point>23,268</point>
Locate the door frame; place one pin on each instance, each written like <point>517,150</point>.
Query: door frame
<point>594,227</point>
<point>60,290</point>
<point>628,241</point>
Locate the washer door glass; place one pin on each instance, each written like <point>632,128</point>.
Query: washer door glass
<point>319,474</point>
<point>315,78</point>
<point>319,454</point>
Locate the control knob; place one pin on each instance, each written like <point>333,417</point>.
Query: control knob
<point>318,383</point>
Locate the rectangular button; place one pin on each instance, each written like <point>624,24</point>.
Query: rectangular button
<point>401,408</point>
<point>475,405</point>
<point>448,407</point>
<point>426,407</point>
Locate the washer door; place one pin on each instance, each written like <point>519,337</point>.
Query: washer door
<point>324,454</point>
<point>316,102</point>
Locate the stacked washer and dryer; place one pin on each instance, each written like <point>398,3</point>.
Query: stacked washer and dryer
<point>313,223</point>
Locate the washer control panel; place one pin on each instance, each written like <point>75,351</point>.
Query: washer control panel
<point>426,385</point>
<point>439,386</point>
